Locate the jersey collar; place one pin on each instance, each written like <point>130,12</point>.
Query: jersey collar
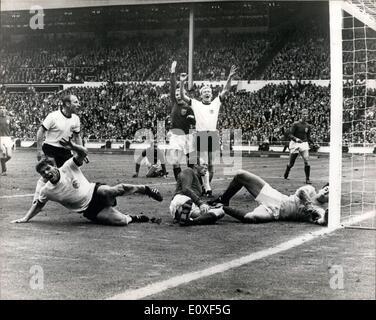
<point>61,110</point>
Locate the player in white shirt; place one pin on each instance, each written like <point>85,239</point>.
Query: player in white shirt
<point>58,125</point>
<point>305,205</point>
<point>206,114</point>
<point>68,186</point>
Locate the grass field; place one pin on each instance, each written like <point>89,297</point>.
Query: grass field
<point>81,260</point>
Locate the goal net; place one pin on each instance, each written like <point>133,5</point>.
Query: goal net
<point>353,113</point>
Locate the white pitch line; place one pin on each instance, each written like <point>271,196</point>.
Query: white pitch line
<point>17,196</point>
<point>158,287</point>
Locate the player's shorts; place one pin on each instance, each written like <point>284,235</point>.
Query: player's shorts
<point>59,154</point>
<point>96,204</point>
<point>183,142</point>
<point>270,201</point>
<point>296,147</point>
<point>6,144</point>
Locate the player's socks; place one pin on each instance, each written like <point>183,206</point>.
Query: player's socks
<point>206,183</point>
<point>137,170</point>
<point>206,218</point>
<point>287,171</point>
<point>140,218</point>
<point>164,171</point>
<point>231,190</point>
<point>307,171</point>
<point>153,193</point>
<point>176,172</point>
<point>236,213</point>
<point>217,201</point>
<point>211,172</point>
<point>3,166</point>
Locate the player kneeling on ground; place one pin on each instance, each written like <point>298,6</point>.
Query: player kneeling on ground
<point>68,186</point>
<point>186,207</point>
<point>305,205</point>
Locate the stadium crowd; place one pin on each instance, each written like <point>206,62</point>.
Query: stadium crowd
<point>144,57</point>
<point>304,56</point>
<point>117,111</point>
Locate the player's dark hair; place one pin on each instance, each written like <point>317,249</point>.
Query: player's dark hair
<point>44,162</point>
<point>325,185</point>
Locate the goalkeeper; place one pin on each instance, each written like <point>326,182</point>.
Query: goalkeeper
<point>305,205</point>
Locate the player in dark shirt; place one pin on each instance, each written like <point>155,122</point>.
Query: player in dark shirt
<point>182,120</point>
<point>187,207</point>
<point>6,143</point>
<point>154,156</point>
<point>300,137</point>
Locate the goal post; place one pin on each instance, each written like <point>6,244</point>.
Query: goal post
<point>336,110</point>
<point>352,162</point>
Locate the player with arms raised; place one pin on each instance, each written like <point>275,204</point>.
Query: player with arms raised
<point>206,114</point>
<point>182,120</point>
<point>300,137</point>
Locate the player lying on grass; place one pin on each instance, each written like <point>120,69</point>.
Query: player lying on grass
<point>68,186</point>
<point>305,205</point>
<point>186,207</point>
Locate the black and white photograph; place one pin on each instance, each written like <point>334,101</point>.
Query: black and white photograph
<point>162,150</point>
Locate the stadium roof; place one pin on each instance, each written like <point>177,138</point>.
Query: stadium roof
<point>12,5</point>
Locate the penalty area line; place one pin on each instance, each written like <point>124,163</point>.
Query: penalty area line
<point>161,286</point>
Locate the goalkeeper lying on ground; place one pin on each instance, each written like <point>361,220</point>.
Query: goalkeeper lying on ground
<point>305,205</point>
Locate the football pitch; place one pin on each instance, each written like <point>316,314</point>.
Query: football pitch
<point>229,260</point>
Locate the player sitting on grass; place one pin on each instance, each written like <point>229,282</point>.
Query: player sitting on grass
<point>186,207</point>
<point>305,205</point>
<point>68,186</point>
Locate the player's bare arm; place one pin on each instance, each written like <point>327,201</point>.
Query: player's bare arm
<point>40,138</point>
<point>35,208</point>
<point>183,78</point>
<point>81,151</point>
<point>77,138</point>
<point>227,87</point>
<point>173,81</point>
